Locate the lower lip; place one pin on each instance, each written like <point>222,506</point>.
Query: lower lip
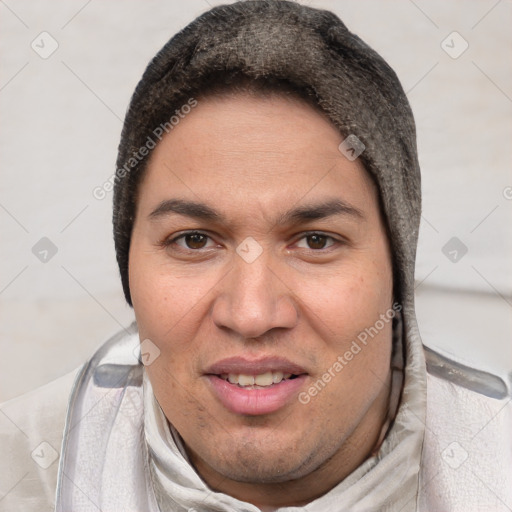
<point>255,401</point>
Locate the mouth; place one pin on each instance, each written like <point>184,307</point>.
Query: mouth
<point>260,381</point>
<point>254,388</point>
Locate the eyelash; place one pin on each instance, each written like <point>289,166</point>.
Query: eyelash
<point>169,242</point>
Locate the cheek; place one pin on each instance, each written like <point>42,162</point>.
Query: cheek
<point>354,323</point>
<point>351,314</point>
<point>163,299</point>
<point>167,309</point>
<point>350,300</point>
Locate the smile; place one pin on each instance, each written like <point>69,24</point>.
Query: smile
<point>255,387</point>
<point>262,380</point>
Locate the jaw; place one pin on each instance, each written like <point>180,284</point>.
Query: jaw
<point>270,461</point>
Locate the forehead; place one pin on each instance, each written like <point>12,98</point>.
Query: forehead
<point>243,151</point>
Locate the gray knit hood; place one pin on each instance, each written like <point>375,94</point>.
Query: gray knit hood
<point>311,49</point>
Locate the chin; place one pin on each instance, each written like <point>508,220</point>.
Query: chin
<point>248,463</point>
<point>264,474</point>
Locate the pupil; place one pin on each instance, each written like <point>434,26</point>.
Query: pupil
<point>197,241</point>
<point>318,240</point>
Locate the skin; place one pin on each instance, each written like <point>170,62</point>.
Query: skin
<point>305,299</point>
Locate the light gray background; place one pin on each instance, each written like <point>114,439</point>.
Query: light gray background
<point>60,125</point>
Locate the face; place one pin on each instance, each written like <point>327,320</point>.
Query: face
<point>258,257</point>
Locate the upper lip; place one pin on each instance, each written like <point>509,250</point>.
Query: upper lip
<point>245,366</point>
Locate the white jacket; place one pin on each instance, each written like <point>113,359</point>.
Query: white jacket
<point>101,462</point>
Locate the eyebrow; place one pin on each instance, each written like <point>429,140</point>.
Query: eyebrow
<point>312,211</point>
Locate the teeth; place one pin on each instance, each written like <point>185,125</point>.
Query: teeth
<point>277,377</point>
<point>245,380</point>
<point>252,381</point>
<point>265,379</point>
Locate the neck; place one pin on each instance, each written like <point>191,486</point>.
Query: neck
<point>357,447</point>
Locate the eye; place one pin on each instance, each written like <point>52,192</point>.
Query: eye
<point>317,241</point>
<point>193,240</point>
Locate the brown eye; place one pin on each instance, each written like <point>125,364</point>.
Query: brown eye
<point>317,241</point>
<point>195,240</point>
<point>191,241</point>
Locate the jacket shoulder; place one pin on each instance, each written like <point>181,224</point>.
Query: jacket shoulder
<point>467,451</point>
<point>484,383</point>
<point>31,430</point>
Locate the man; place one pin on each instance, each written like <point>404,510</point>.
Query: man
<point>266,214</point>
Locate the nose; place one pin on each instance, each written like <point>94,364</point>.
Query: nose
<point>253,299</point>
